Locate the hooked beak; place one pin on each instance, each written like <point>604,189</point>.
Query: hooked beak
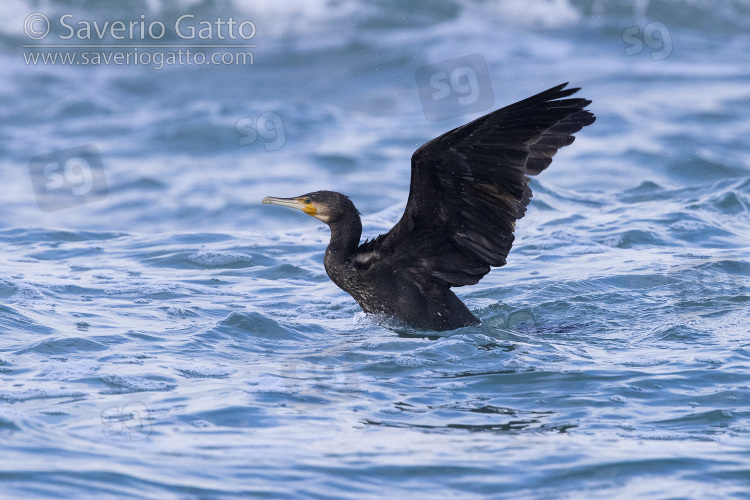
<point>297,203</point>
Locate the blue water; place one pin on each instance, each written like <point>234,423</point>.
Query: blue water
<point>164,335</point>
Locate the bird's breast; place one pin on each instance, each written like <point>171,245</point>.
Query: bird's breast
<point>359,282</point>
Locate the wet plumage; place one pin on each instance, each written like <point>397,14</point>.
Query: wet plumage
<point>469,186</point>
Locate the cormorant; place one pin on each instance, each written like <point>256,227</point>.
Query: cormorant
<point>468,188</point>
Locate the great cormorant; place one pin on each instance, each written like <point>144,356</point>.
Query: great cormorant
<point>468,188</point>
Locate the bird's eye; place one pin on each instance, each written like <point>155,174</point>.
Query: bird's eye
<point>308,200</point>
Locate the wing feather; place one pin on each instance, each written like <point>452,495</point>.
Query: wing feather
<point>469,187</point>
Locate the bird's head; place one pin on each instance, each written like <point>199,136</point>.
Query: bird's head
<point>328,206</point>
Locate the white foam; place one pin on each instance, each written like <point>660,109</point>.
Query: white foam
<point>68,370</point>
<point>25,395</point>
<point>205,372</point>
<point>269,385</point>
<point>137,383</point>
<point>536,13</point>
<point>219,259</point>
<point>409,362</point>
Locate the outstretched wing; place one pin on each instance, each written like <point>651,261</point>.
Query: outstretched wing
<point>470,185</point>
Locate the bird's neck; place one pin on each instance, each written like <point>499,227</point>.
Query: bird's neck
<point>345,235</point>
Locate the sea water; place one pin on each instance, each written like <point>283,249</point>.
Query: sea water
<point>164,335</point>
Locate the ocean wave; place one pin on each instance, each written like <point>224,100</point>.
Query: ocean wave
<point>315,18</point>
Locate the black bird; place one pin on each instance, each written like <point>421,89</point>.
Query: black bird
<point>468,188</point>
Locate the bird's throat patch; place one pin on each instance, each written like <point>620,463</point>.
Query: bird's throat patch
<point>310,210</point>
